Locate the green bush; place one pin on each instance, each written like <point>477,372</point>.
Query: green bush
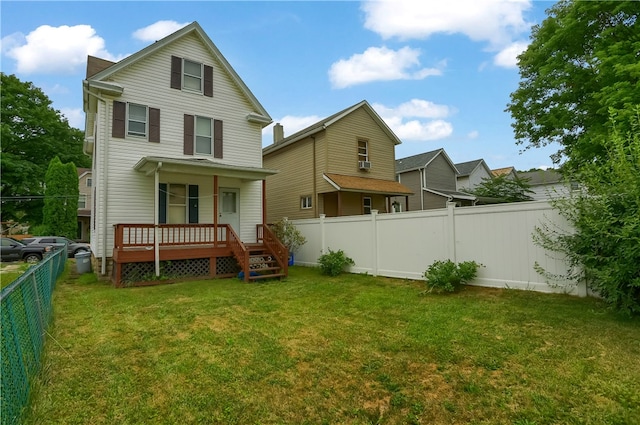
<point>447,276</point>
<point>288,234</point>
<point>333,262</point>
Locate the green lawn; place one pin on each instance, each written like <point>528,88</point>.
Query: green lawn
<point>11,271</point>
<point>354,349</point>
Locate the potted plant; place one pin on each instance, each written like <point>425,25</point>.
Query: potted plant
<point>289,235</point>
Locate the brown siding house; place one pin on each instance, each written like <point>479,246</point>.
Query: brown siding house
<point>342,165</point>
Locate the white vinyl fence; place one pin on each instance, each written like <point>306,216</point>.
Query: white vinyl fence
<point>404,244</point>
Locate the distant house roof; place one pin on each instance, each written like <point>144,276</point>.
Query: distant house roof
<point>365,184</point>
<point>541,177</point>
<point>451,194</point>
<point>502,171</point>
<point>324,123</point>
<point>83,171</point>
<point>421,160</point>
<point>467,168</point>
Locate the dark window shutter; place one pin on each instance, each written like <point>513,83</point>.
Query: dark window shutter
<point>176,72</point>
<point>162,207</point>
<point>193,203</point>
<point>217,138</point>
<point>119,116</point>
<point>154,125</point>
<point>188,134</point>
<point>208,80</point>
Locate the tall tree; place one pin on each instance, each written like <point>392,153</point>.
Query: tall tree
<point>32,134</point>
<point>60,213</point>
<point>582,62</point>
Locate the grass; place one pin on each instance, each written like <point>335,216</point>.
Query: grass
<point>353,349</point>
<point>11,271</point>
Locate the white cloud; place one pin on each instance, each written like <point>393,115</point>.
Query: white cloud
<point>473,134</point>
<point>291,124</point>
<point>410,120</point>
<point>160,29</point>
<point>497,22</point>
<point>380,64</point>
<point>508,57</point>
<point>51,50</point>
<point>75,116</point>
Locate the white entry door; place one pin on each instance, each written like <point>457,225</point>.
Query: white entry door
<point>229,208</point>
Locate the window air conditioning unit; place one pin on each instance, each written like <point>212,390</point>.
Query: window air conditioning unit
<point>364,165</point>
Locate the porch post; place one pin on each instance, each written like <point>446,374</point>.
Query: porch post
<point>215,210</point>
<point>264,202</point>
<point>339,204</point>
<point>406,203</point>
<point>156,219</point>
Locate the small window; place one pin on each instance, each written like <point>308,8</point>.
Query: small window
<point>192,76</point>
<point>89,182</point>
<point>363,150</point>
<point>204,136</point>
<point>136,120</point>
<point>82,202</point>
<point>305,202</point>
<point>366,205</point>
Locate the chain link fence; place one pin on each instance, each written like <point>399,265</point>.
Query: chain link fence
<point>26,311</point>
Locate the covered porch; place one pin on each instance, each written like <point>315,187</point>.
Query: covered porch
<point>188,238</point>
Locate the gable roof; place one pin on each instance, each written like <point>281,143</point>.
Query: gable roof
<point>541,177</point>
<point>366,184</point>
<point>324,123</point>
<point>99,70</point>
<point>421,160</point>
<point>501,171</point>
<point>467,168</point>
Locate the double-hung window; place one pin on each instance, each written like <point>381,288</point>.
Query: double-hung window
<point>137,120</point>
<point>204,136</point>
<point>82,202</point>
<point>305,202</point>
<point>363,150</point>
<point>192,76</point>
<point>366,205</point>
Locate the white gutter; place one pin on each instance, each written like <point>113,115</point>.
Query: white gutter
<point>156,219</point>
<point>103,266</point>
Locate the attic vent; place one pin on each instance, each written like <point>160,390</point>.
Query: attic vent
<point>364,165</point>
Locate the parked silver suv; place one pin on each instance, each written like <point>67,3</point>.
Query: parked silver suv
<point>59,242</point>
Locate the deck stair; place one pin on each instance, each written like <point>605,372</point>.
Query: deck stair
<point>263,263</point>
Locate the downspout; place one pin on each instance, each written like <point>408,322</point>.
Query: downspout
<point>315,183</point>
<point>156,219</point>
<point>422,188</point>
<point>103,265</point>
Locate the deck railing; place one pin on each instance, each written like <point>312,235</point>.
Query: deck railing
<point>141,235</point>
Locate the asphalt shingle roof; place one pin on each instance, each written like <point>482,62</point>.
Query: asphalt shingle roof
<point>415,161</point>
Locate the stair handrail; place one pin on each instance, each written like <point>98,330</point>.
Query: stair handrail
<point>239,250</point>
<point>275,247</point>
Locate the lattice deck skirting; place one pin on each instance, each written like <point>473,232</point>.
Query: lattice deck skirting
<point>135,273</point>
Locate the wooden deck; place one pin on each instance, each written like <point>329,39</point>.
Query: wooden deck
<point>137,243</point>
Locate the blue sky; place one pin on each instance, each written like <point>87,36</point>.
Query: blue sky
<point>438,72</point>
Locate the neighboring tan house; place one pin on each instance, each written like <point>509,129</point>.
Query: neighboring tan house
<point>546,184</point>
<point>85,187</point>
<point>342,165</point>
<point>176,139</point>
<point>432,178</point>
<point>472,173</point>
<point>509,171</point>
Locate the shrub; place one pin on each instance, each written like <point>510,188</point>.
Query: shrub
<point>333,262</point>
<point>447,276</point>
<point>288,234</point>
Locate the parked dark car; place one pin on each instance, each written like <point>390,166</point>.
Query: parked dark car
<point>13,250</point>
<point>59,242</point>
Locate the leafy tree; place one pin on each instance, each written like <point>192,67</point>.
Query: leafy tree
<point>605,247</point>
<point>60,214</point>
<point>582,62</point>
<point>32,134</point>
<point>503,189</point>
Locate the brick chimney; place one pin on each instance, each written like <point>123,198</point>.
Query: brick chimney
<point>278,133</point>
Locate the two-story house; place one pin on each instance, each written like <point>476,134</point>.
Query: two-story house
<point>85,190</point>
<point>471,174</point>
<point>432,178</point>
<point>175,136</point>
<point>341,165</point>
